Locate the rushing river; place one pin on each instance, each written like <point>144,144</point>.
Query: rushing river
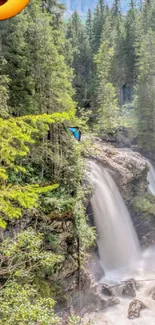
<point>118,315</point>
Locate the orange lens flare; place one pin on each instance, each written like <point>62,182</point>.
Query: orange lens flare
<point>10,8</point>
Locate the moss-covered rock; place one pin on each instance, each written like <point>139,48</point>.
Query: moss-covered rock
<point>143,211</point>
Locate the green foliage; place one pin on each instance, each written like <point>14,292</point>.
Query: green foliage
<point>145,91</point>
<point>4,95</point>
<point>37,153</point>
<point>22,257</point>
<point>128,120</point>
<point>82,59</point>
<point>86,234</point>
<point>17,134</point>
<point>53,240</point>
<point>16,137</point>
<point>107,100</point>
<point>145,205</point>
<point>116,10</point>
<point>129,44</point>
<point>89,26</point>
<point>14,199</point>
<point>20,305</point>
<point>57,202</point>
<point>98,24</point>
<point>40,78</point>
<point>74,320</point>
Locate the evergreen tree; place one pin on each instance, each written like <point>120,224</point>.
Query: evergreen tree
<point>56,10</point>
<point>106,95</point>
<point>40,78</point>
<point>116,9</point>
<point>89,26</point>
<point>4,92</point>
<point>81,59</point>
<point>145,92</point>
<point>149,16</point>
<point>98,23</point>
<point>129,45</point>
<point>118,65</point>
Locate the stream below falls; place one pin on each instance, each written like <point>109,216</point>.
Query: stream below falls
<point>120,253</point>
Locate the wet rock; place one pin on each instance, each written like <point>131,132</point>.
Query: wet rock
<point>113,301</point>
<point>86,281</point>
<point>129,168</point>
<point>93,265</point>
<point>90,297</point>
<point>85,302</point>
<point>153,294</point>
<point>130,288</point>
<point>135,308</point>
<point>107,291</point>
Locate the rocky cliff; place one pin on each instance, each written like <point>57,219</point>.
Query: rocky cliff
<point>129,170</point>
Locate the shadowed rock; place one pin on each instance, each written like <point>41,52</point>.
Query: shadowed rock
<point>107,291</point>
<point>130,288</point>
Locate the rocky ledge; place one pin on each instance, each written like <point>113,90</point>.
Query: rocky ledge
<point>129,169</point>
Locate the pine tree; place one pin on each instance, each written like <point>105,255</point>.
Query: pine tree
<point>16,53</point>
<point>98,23</point>
<point>40,77</point>
<point>81,59</point>
<point>116,8</point>
<point>129,45</point>
<point>89,26</point>
<point>106,94</point>
<point>4,92</point>
<point>56,11</point>
<point>118,65</point>
<point>149,16</point>
<point>145,92</point>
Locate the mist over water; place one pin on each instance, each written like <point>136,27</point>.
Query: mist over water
<point>118,315</point>
<point>117,240</point>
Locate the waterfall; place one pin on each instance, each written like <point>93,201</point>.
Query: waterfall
<point>117,240</point>
<point>151,178</point>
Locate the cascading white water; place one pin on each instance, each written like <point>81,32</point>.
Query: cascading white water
<point>151,178</point>
<point>118,315</point>
<point>118,247</point>
<point>117,240</point>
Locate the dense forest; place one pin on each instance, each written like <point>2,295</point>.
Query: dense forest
<point>113,63</point>
<point>83,5</point>
<point>97,75</point>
